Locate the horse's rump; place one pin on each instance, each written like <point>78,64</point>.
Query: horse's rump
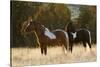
<point>62,37</point>
<point>83,35</point>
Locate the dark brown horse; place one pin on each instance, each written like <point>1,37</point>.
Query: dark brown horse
<point>45,36</point>
<point>77,36</point>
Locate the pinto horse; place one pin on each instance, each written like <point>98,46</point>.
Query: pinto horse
<point>45,37</point>
<point>77,36</point>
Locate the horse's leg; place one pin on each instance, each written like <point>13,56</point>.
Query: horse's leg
<point>65,45</point>
<point>70,42</point>
<point>71,46</point>
<point>84,44</point>
<point>41,49</point>
<point>89,45</point>
<point>45,49</point>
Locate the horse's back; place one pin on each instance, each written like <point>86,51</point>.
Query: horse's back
<point>83,34</point>
<point>60,33</point>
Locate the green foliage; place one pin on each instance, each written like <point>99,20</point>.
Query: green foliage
<point>88,18</point>
<point>84,15</point>
<point>51,15</point>
<point>20,11</point>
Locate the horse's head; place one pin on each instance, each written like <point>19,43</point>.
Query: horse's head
<point>25,24</point>
<point>70,27</point>
<point>35,26</point>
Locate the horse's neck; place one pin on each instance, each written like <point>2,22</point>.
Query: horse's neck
<point>39,34</point>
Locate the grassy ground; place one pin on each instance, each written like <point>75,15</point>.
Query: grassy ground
<point>32,56</point>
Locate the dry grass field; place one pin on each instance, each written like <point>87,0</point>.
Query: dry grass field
<point>21,57</point>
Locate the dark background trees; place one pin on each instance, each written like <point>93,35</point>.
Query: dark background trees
<point>53,16</point>
<point>87,18</point>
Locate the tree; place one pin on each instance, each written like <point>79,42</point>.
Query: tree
<point>20,11</point>
<point>53,15</point>
<point>87,18</point>
<point>49,14</point>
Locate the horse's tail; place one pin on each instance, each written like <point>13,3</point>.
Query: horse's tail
<point>89,37</point>
<point>67,39</point>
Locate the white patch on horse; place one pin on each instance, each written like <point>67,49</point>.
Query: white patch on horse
<point>74,35</point>
<point>49,34</point>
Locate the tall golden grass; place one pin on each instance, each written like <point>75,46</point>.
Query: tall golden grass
<point>31,56</point>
